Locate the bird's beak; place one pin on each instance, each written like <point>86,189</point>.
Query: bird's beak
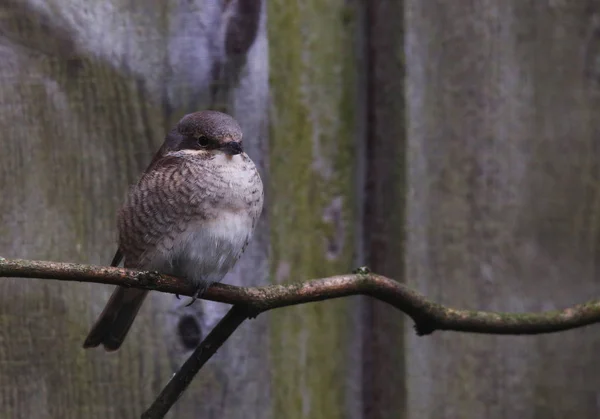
<point>232,148</point>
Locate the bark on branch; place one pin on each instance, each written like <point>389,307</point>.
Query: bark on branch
<point>427,315</point>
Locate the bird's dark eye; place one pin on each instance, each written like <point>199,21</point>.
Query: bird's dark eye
<point>203,141</point>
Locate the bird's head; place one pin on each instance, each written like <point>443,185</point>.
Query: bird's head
<point>208,133</point>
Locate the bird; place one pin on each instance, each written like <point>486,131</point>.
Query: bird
<point>191,214</point>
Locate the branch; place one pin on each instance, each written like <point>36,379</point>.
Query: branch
<point>251,301</point>
<point>427,315</point>
<point>182,378</point>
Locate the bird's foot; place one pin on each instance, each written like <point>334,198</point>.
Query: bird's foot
<point>199,291</point>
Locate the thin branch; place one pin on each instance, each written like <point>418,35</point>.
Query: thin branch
<point>427,315</point>
<point>250,301</point>
<point>182,379</point>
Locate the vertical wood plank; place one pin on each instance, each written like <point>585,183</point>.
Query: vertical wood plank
<point>384,380</point>
<point>502,99</point>
<point>312,199</point>
<point>88,92</point>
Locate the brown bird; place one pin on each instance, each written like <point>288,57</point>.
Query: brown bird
<point>190,215</point>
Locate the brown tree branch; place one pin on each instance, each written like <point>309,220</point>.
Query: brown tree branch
<point>182,378</point>
<point>251,301</point>
<point>427,315</point>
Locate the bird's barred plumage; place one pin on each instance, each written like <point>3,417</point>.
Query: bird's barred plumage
<point>193,197</point>
<point>191,215</point>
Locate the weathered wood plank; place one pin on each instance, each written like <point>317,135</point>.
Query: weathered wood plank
<point>312,201</point>
<point>503,168</point>
<point>384,378</point>
<point>88,93</point>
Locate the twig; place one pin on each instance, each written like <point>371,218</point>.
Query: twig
<point>182,379</point>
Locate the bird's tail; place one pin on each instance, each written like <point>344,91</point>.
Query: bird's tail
<point>113,324</point>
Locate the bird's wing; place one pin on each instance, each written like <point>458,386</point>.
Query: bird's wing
<point>158,208</point>
<point>118,257</point>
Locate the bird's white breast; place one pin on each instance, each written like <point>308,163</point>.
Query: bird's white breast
<point>232,228</point>
<point>207,250</point>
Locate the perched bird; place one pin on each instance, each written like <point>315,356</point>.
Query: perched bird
<point>190,215</point>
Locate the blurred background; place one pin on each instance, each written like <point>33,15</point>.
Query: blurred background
<point>451,145</point>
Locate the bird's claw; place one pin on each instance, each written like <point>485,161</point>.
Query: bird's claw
<point>197,294</point>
